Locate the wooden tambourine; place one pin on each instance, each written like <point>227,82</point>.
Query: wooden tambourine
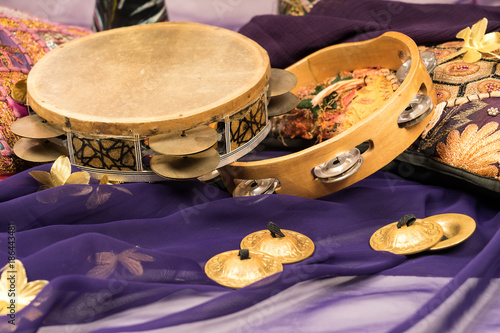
<point>151,101</point>
<point>335,163</point>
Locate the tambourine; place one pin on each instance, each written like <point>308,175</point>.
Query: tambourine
<point>336,163</point>
<point>179,100</point>
<point>169,100</point>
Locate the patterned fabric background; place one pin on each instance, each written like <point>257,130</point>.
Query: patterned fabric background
<point>24,40</point>
<point>462,140</point>
<point>303,7</point>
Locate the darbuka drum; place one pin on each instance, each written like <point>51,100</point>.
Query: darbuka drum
<point>336,163</point>
<point>113,92</point>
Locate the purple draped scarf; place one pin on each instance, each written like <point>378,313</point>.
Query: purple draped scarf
<point>109,248</point>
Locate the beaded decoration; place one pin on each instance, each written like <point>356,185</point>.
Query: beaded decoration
<point>458,82</point>
<point>24,39</point>
<point>295,7</point>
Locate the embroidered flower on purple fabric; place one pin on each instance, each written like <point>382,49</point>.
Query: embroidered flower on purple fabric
<point>108,261</point>
<point>60,174</point>
<point>475,150</point>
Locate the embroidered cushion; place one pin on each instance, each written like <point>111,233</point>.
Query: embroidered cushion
<point>24,39</point>
<point>463,138</point>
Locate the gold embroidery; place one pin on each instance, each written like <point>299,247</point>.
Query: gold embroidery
<point>461,119</point>
<point>7,53</point>
<point>459,72</point>
<point>445,92</point>
<point>444,53</point>
<point>489,85</point>
<point>295,7</point>
<point>461,69</point>
<point>107,262</point>
<point>9,23</point>
<point>33,48</point>
<point>474,151</point>
<point>8,79</point>
<point>454,44</point>
<point>485,86</point>
<point>35,24</point>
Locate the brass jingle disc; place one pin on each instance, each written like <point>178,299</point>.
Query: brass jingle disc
<point>188,142</point>
<point>428,58</point>
<point>420,107</point>
<point>457,228</point>
<point>420,236</point>
<point>281,81</point>
<point>19,91</point>
<point>251,187</point>
<point>210,177</point>
<point>35,127</point>
<point>35,150</point>
<point>228,269</point>
<point>185,167</point>
<point>282,104</point>
<point>340,167</point>
<point>294,247</point>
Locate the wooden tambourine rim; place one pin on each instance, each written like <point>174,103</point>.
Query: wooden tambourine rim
<point>237,100</point>
<point>387,140</point>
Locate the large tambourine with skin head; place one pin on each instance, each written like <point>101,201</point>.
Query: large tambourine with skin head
<point>336,163</point>
<point>181,100</point>
<point>172,100</point>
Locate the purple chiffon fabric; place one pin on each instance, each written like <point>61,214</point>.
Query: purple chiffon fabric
<point>181,225</point>
<point>109,248</point>
<point>289,39</point>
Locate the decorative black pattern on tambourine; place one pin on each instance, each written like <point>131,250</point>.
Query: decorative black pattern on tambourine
<point>253,120</point>
<point>109,154</point>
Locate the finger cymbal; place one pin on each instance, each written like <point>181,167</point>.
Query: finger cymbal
<point>281,81</point>
<point>282,104</point>
<point>182,143</point>
<point>185,167</point>
<point>19,91</point>
<point>239,268</point>
<point>36,150</point>
<point>35,127</point>
<point>457,228</point>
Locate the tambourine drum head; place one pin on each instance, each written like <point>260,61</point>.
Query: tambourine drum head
<point>148,79</point>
